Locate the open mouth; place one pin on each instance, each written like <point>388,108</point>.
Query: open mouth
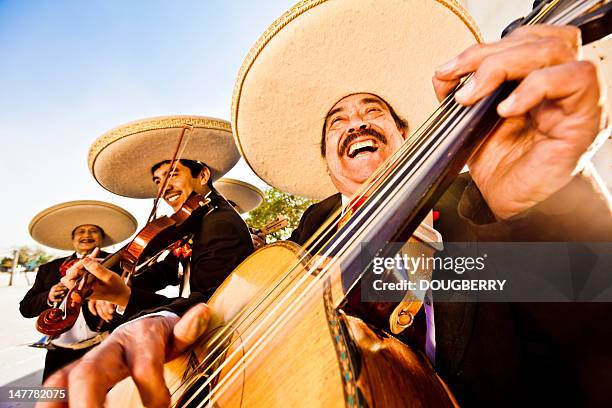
<point>172,197</point>
<point>362,147</point>
<point>86,241</point>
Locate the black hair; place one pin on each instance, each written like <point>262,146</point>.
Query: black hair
<point>97,226</point>
<point>194,166</point>
<point>400,122</point>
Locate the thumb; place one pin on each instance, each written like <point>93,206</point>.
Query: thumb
<point>192,325</point>
<point>443,87</point>
<point>91,305</point>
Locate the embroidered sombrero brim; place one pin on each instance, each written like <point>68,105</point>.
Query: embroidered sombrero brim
<point>53,227</point>
<point>320,51</point>
<point>246,196</point>
<point>121,159</point>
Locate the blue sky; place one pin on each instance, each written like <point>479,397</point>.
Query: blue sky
<point>71,70</point>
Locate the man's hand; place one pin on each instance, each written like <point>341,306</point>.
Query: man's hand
<point>57,292</point>
<point>107,286</point>
<point>549,121</point>
<point>259,240</point>
<point>101,308</point>
<point>138,349</point>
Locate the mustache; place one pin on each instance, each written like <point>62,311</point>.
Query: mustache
<point>364,132</point>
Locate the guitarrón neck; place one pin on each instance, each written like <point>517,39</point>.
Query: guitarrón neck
<point>414,179</point>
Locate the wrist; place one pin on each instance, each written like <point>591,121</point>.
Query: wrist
<point>124,297</point>
<point>565,200</point>
<point>508,197</point>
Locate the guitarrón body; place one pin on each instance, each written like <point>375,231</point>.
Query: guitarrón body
<point>305,361</point>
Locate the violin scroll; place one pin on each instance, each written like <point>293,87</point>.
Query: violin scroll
<point>58,320</point>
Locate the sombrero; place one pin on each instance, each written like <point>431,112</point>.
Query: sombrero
<point>121,159</point>
<point>320,51</point>
<point>53,227</point>
<point>246,196</point>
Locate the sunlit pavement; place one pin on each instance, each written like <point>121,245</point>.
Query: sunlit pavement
<point>20,365</point>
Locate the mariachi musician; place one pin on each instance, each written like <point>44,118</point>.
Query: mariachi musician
<point>244,197</point>
<point>366,63</point>
<point>80,226</point>
<point>528,182</point>
<point>136,160</point>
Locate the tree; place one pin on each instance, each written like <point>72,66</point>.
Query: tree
<point>6,263</point>
<point>31,258</point>
<point>278,203</point>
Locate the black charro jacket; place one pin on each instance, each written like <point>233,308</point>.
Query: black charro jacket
<point>221,241</point>
<point>35,301</point>
<point>517,354</point>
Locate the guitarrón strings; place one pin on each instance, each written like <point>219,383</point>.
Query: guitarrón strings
<point>447,112</point>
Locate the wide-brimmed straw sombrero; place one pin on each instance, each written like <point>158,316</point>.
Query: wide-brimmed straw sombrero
<point>53,227</point>
<point>246,196</point>
<point>121,159</point>
<point>320,51</point>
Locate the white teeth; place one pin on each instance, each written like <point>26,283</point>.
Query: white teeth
<point>173,198</point>
<point>359,145</point>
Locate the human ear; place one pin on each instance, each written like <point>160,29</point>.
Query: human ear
<point>204,176</point>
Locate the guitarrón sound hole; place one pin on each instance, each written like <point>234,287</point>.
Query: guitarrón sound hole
<point>196,391</point>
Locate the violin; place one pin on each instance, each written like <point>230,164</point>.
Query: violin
<point>150,242</point>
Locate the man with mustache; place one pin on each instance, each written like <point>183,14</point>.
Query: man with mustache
<point>530,181</point>
<point>81,226</point>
